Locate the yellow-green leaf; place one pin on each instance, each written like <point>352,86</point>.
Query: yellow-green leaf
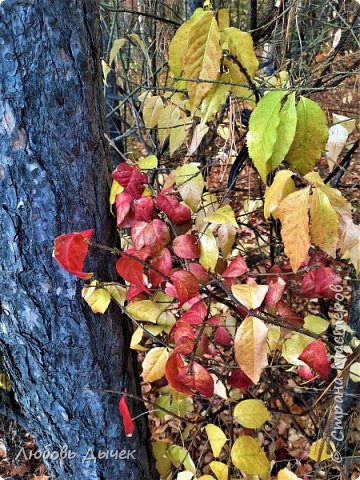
<point>262,133</point>
<point>223,17</point>
<point>144,310</point>
<point>199,133</point>
<point>148,163</point>
<point>310,137</point>
<point>106,70</point>
<point>293,214</point>
<point>202,60</point>
<point>116,188</point>
<point>213,100</point>
<point>190,183</point>
<point>321,450</point>
<point>250,295</point>
<point>159,449</point>
<point>117,45</point>
<point>153,106</point>
<point>154,364</point>
<point>285,133</point>
<point>180,456</point>
<point>168,118</point>
<point>5,382</point>
<point>250,347</point>
<point>324,223</point>
<point>220,470</point>
<point>226,235</point>
<point>216,438</point>
<point>136,338</point>
<point>178,134</point>
<point>240,45</point>
<point>249,457</point>
<point>98,299</point>
<point>179,43</point>
<point>282,186</point>
<point>251,413</point>
<point>285,474</point>
<point>315,324</point>
<point>209,251</point>
<point>293,348</point>
<point>223,215</point>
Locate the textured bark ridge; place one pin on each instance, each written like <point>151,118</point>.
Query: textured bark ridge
<point>54,179</point>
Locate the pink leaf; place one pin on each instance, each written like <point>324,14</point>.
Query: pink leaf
<point>186,285</point>
<point>163,263</point>
<point>186,246</point>
<point>196,314</point>
<point>288,314</point>
<point>223,337</point>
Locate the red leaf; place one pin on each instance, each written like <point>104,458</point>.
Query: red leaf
<point>186,246</point>
<point>163,263</point>
<point>196,314</point>
<point>222,337</point>
<point>184,345</point>
<point>316,284</point>
<point>180,329</point>
<point>199,272</point>
<point>186,285</point>
<point>131,270</point>
<point>143,209</point>
<point>126,417</point>
<point>197,378</point>
<point>172,368</point>
<point>176,212</point>
<point>236,268</point>
<point>276,289</point>
<point>315,356</point>
<point>305,372</point>
<point>154,235</point>
<point>134,294</point>
<point>70,251</point>
<point>130,177</point>
<point>129,211</point>
<point>288,314</point>
<point>239,380</point>
<point>123,206</point>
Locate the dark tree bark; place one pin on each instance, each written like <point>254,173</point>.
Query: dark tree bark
<point>193,5</point>
<point>54,178</point>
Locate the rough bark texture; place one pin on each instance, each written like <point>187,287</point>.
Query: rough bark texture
<point>54,179</point>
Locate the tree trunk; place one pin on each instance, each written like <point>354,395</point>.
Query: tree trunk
<point>54,177</point>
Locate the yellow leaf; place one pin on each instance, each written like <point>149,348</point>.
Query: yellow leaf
<point>234,75</point>
<point>154,364</point>
<point>209,252</point>
<point>213,100</point>
<point>5,382</point>
<point>202,60</point>
<point>262,133</point>
<point>159,449</point>
<point>251,413</point>
<point>136,338</point>
<point>216,438</point>
<point>324,223</point>
<point>179,43</point>
<point>310,137</point>
<point>355,372</point>
<point>285,133</point>
<point>293,348</point>
<point>168,118</point>
<point>250,347</point>
<point>249,295</point>
<point>241,46</point>
<point>321,450</point>
<point>178,134</point>
<point>285,474</point>
<point>117,45</point>
<point>190,183</point>
<point>226,235</point>
<point>249,457</point>
<point>199,133</point>
<point>117,292</point>
<point>148,163</point>
<point>144,310</point>
<point>166,320</point>
<point>141,44</point>
<point>163,466</point>
<point>115,190</point>
<point>98,299</point>
<point>154,329</point>
<point>106,70</point>
<point>206,477</point>
<point>293,214</point>
<point>209,204</point>
<point>315,324</point>
<point>152,108</point>
<point>223,215</point>
<point>223,17</point>
<point>187,475</point>
<point>220,470</point>
<point>273,337</point>
<point>282,186</point>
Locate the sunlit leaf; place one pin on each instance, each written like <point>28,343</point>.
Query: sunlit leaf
<point>251,413</point>
<point>209,252</point>
<point>70,251</point>
<point>220,470</point>
<point>180,456</point>
<point>223,215</point>
<point>293,347</point>
<point>285,474</point>
<point>153,365</point>
<point>144,310</point>
<point>241,46</point>
<point>282,186</point>
<point>250,295</point>
<point>321,450</point>
<point>136,338</point>
<point>98,299</point>
<point>216,438</point>
<point>249,457</point>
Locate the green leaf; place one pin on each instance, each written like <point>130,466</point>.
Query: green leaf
<point>293,348</point>
<point>213,100</point>
<point>202,60</point>
<point>285,133</point>
<point>315,324</point>
<point>262,133</point>
<point>249,457</point>
<point>310,137</point>
<point>251,413</point>
<point>148,163</point>
<point>190,183</point>
<point>241,46</point>
<point>216,438</point>
<point>180,456</point>
<point>209,252</point>
<point>223,215</point>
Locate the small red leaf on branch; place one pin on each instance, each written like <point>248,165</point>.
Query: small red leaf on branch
<point>236,268</point>
<point>316,284</point>
<point>288,314</point>
<point>177,213</point>
<point>129,211</point>
<point>130,177</point>
<point>154,235</point>
<point>186,246</point>
<point>239,379</point>
<point>70,251</point>
<point>185,285</point>
<point>222,337</point>
<point>163,263</point>
<point>197,378</point>
<point>196,314</point>
<point>126,416</point>
<point>132,269</point>
<point>172,368</point>
<point>315,356</point>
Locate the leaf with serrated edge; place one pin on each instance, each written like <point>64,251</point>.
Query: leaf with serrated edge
<point>285,133</point>
<point>202,60</point>
<point>282,186</point>
<point>251,413</point>
<point>324,223</point>
<point>241,46</point>
<point>250,347</point>
<point>262,133</point>
<point>154,364</point>
<point>310,137</point>
<point>217,438</point>
<point>223,215</point>
<point>249,457</point>
<point>293,214</point>
<point>209,251</point>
